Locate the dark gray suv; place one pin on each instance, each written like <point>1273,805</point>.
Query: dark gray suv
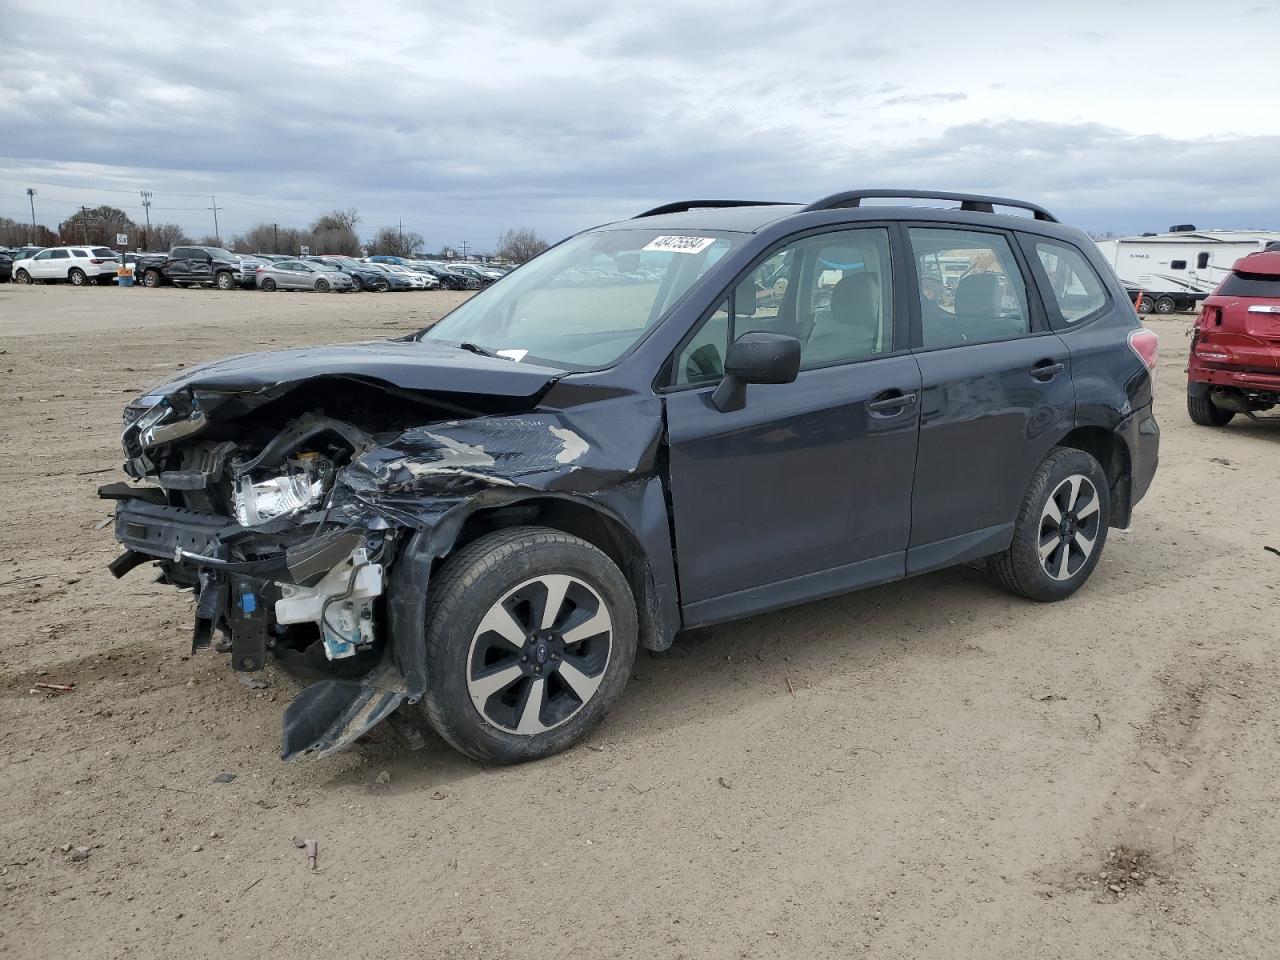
<point>714,409</point>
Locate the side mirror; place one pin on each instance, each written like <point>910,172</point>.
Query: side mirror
<point>756,357</point>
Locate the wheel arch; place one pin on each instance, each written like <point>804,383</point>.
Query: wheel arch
<point>1111,451</point>
<point>597,525</point>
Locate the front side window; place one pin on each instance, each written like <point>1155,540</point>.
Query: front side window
<point>44,255</point>
<point>1076,286</point>
<point>971,289</point>
<point>584,303</point>
<point>832,291</point>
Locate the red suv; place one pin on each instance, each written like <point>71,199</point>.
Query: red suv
<point>1235,348</point>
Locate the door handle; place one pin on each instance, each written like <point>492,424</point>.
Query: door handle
<point>1046,370</point>
<point>893,403</point>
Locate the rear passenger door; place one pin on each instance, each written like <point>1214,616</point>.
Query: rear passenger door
<point>996,391</point>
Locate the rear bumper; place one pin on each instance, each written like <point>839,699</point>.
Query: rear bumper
<point>1141,435</point>
<point>1201,377</point>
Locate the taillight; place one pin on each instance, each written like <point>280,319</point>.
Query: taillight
<point>1146,346</point>
<point>97,261</point>
<point>259,269</point>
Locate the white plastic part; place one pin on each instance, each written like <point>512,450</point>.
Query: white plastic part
<point>348,591</point>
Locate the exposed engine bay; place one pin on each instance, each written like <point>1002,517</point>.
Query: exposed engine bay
<point>306,514</point>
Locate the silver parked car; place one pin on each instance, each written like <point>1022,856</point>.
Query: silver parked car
<point>301,275</point>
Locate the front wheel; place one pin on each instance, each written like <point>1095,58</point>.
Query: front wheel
<point>22,277</point>
<point>1060,531</point>
<point>225,281</point>
<point>76,277</point>
<point>530,637</point>
<point>151,278</point>
<point>322,286</point>
<point>1206,413</point>
<point>381,286</point>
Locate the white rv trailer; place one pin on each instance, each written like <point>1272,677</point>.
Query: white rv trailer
<point>1175,271</point>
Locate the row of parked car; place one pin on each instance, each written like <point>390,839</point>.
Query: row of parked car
<point>196,266</point>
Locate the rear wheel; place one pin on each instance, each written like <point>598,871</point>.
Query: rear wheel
<point>269,285</point>
<point>322,285</point>
<point>1205,412</point>
<point>1060,531</point>
<point>1166,305</point>
<point>76,277</point>
<point>530,638</point>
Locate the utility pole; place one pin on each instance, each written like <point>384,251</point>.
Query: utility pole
<point>401,247</point>
<point>84,223</point>
<point>146,205</point>
<point>275,238</point>
<point>31,195</point>
<point>465,246</point>
<point>215,208</point>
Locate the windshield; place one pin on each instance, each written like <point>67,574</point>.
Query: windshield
<point>219,254</point>
<point>325,267</point>
<point>582,304</point>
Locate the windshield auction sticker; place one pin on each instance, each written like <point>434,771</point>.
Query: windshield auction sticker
<point>679,244</point>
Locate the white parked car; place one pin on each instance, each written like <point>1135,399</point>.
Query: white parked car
<point>76,265</point>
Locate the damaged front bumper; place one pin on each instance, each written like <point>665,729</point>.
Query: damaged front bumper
<point>254,584</point>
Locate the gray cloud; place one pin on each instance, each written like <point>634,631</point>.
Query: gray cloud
<point>567,114</point>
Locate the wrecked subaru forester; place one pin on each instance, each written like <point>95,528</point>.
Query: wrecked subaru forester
<point>714,409</point>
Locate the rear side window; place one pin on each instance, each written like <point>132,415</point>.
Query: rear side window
<point>60,255</point>
<point>1076,286</point>
<point>971,289</point>
<point>1240,284</point>
<point>79,253</point>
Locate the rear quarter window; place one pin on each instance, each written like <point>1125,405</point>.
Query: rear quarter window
<point>1240,284</point>
<point>1077,289</point>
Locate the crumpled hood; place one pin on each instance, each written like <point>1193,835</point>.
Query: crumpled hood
<point>408,364</point>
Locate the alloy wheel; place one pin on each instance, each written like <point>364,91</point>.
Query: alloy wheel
<point>1069,525</point>
<point>539,654</point>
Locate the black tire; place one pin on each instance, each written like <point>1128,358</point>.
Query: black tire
<point>1166,305</point>
<point>224,281</point>
<point>1205,412</point>
<point>22,277</point>
<point>1023,568</point>
<point>269,285</point>
<point>76,277</point>
<point>1145,305</point>
<point>151,278</point>
<point>322,285</point>
<point>473,585</point>
<point>356,285</point>
<point>382,286</point>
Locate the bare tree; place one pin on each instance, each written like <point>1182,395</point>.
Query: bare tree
<point>164,236</point>
<point>520,244</point>
<point>335,232</point>
<point>17,234</point>
<point>97,225</point>
<point>392,242</point>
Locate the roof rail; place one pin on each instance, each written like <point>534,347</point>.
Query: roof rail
<point>681,206</point>
<point>968,201</point>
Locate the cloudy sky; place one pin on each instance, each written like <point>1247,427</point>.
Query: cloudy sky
<point>467,118</point>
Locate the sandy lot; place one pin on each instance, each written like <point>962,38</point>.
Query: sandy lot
<point>927,769</point>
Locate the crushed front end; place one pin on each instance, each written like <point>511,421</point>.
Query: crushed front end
<point>305,507</point>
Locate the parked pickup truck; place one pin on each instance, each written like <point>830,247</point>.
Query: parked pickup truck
<point>194,266</point>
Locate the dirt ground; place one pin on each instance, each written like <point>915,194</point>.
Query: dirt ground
<point>927,769</point>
